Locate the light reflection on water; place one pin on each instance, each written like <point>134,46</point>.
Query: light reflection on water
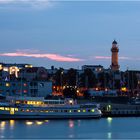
<point>105,128</point>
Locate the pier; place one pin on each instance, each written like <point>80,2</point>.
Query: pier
<point>120,110</point>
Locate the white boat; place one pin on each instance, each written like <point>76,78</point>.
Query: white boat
<point>48,109</point>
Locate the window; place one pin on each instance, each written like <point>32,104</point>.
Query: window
<point>25,85</point>
<point>25,91</point>
<point>7,108</point>
<point>7,84</point>
<point>1,108</point>
<point>78,111</point>
<point>84,110</point>
<point>41,84</point>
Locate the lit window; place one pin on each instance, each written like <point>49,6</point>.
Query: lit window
<point>12,111</point>
<point>5,69</point>
<point>28,66</point>
<point>78,111</point>
<point>1,108</point>
<point>16,109</point>
<point>0,67</point>
<point>7,108</point>
<point>25,91</point>
<point>7,84</point>
<point>92,110</point>
<point>70,111</point>
<point>25,85</point>
<point>84,110</point>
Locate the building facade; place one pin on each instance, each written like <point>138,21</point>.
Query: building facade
<point>25,88</point>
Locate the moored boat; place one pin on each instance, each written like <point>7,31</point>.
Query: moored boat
<point>47,109</point>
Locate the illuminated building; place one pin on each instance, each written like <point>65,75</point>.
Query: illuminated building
<point>12,70</point>
<point>94,68</point>
<point>114,60</point>
<point>25,88</point>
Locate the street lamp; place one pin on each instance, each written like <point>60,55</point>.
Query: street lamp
<point>61,84</point>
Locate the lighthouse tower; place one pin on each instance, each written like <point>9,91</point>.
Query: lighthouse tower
<point>114,60</point>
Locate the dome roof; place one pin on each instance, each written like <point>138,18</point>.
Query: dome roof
<point>114,42</point>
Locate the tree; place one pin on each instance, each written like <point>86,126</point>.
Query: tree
<point>59,77</point>
<point>70,93</point>
<point>104,79</point>
<point>88,79</point>
<point>71,77</point>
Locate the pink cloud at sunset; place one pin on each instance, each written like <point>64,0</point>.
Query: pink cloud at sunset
<point>55,57</point>
<point>108,57</point>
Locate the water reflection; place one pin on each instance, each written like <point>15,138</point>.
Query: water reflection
<point>71,123</point>
<point>109,135</point>
<point>29,123</point>
<point>46,120</point>
<point>79,123</point>
<point>39,122</point>
<point>12,123</point>
<point>109,120</point>
<point>2,128</point>
<point>2,125</point>
<point>107,128</point>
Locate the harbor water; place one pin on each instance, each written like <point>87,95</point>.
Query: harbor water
<point>104,128</point>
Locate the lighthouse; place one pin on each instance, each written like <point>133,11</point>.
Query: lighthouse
<point>114,59</point>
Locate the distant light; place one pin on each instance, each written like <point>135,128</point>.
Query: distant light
<point>5,69</point>
<point>25,85</point>
<point>77,91</point>
<point>7,84</point>
<point>97,89</point>
<point>84,110</point>
<point>79,110</point>
<point>28,66</point>
<point>124,89</point>
<point>25,91</point>
<point>106,89</point>
<point>70,101</point>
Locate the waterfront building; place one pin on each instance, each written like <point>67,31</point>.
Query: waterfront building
<point>114,59</point>
<point>11,70</point>
<point>25,88</point>
<point>94,68</point>
<point>24,80</point>
<point>33,73</point>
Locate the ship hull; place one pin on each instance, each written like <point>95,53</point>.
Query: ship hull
<point>16,117</point>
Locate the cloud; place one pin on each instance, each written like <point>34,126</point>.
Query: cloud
<point>26,3</point>
<point>120,58</point>
<point>55,57</point>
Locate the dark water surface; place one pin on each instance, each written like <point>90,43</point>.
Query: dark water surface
<point>105,128</point>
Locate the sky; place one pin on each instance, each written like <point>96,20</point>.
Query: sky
<point>69,33</point>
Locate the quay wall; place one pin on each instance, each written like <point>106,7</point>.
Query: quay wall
<point>119,110</point>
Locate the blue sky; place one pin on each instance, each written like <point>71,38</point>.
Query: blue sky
<point>69,34</point>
